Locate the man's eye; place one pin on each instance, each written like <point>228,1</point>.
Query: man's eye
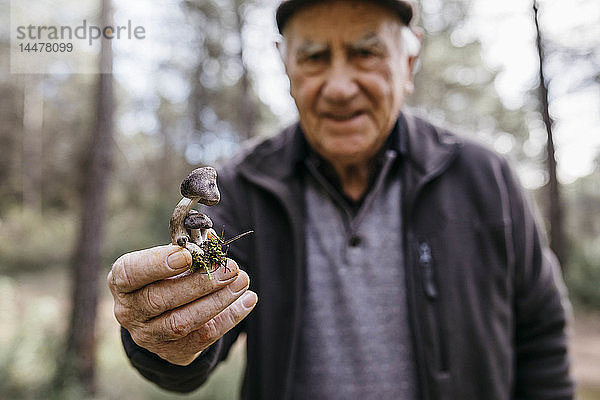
<point>365,53</point>
<point>315,57</point>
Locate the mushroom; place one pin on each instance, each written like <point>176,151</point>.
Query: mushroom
<point>200,186</point>
<point>197,224</point>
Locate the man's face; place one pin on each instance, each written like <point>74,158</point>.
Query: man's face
<point>348,75</point>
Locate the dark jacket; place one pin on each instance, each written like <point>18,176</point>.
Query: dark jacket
<point>486,301</point>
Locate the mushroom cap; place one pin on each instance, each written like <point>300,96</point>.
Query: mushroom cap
<point>201,184</point>
<point>196,220</point>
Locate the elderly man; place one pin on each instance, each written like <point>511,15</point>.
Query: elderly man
<point>393,260</point>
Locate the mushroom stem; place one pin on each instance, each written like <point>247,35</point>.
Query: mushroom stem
<point>178,232</point>
<point>196,236</point>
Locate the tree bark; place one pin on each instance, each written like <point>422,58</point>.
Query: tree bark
<point>555,209</point>
<point>33,117</point>
<point>80,358</point>
<point>247,106</point>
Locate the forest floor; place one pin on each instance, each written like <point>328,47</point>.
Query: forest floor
<point>42,299</point>
<point>585,351</point>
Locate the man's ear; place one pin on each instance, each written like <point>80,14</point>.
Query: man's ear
<point>281,47</point>
<point>419,33</point>
<point>413,64</point>
<point>409,86</point>
<point>414,61</point>
<point>280,44</point>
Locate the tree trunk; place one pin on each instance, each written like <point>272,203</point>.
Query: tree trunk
<point>555,209</point>
<point>33,116</point>
<point>247,106</point>
<point>80,358</point>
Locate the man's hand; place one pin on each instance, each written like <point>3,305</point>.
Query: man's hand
<point>172,312</point>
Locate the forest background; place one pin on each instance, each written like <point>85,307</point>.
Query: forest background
<point>90,163</point>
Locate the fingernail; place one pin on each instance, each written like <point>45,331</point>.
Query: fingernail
<point>179,259</point>
<point>240,283</point>
<point>249,299</point>
<point>225,274</point>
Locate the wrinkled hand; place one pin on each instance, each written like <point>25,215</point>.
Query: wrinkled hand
<point>172,312</point>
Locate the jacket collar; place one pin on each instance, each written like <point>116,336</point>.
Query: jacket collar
<point>430,152</point>
<point>429,147</point>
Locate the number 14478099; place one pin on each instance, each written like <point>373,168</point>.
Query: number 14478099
<point>45,47</point>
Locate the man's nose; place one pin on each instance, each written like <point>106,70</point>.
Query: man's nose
<point>340,83</point>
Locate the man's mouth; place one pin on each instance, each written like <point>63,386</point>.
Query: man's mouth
<point>342,116</point>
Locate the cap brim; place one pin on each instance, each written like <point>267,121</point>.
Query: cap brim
<point>286,9</point>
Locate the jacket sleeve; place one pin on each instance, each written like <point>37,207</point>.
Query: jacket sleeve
<point>173,377</point>
<point>542,309</point>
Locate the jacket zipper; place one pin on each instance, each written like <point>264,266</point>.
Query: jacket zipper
<point>409,201</point>
<point>430,288</point>
<point>425,261</point>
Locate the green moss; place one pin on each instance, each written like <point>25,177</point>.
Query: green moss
<point>213,258</point>
<point>215,254</point>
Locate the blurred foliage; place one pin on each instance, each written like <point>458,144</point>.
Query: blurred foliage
<point>583,275</point>
<point>454,87</point>
<point>26,353</point>
<point>34,242</point>
<point>583,229</point>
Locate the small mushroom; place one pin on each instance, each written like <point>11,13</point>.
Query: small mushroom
<point>200,186</point>
<point>197,224</point>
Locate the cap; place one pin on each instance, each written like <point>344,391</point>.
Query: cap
<point>403,8</point>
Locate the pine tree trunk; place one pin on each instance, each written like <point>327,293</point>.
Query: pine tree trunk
<point>247,106</point>
<point>33,116</point>
<point>555,209</point>
<point>80,358</point>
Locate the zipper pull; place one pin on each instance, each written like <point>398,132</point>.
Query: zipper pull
<point>425,262</point>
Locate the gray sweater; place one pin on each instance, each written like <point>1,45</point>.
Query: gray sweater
<point>355,336</point>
